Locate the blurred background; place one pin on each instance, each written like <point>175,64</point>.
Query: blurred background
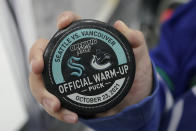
<point>23,21</point>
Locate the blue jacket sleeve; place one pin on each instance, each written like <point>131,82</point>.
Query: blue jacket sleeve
<point>144,116</point>
<point>175,55</point>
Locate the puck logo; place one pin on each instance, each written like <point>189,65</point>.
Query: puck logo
<point>75,66</point>
<point>90,69</point>
<point>97,66</point>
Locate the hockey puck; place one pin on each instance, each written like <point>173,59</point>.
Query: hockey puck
<point>89,66</point>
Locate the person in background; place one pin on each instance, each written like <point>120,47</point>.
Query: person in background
<point>163,95</point>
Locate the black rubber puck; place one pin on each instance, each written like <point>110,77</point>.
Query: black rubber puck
<point>89,66</point>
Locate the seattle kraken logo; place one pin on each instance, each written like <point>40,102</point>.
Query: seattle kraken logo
<point>75,66</point>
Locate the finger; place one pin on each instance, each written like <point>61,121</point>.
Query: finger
<point>135,37</point>
<point>65,115</point>
<point>36,56</point>
<point>68,116</point>
<point>49,102</point>
<point>66,18</point>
